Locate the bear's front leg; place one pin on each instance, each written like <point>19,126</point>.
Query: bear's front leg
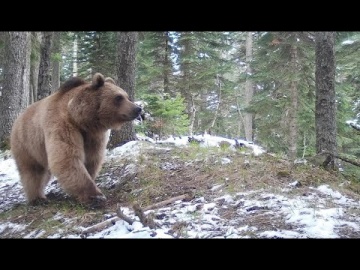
<point>66,162</point>
<point>94,147</point>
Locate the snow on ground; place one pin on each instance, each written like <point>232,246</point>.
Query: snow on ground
<point>320,213</point>
<point>203,219</point>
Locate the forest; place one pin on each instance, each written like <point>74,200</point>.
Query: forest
<point>294,93</point>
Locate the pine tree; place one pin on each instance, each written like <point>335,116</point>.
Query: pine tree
<point>325,109</point>
<point>284,72</point>
<point>154,64</point>
<point>202,67</point>
<point>125,68</point>
<point>14,94</point>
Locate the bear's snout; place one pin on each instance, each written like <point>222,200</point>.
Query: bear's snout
<point>137,112</point>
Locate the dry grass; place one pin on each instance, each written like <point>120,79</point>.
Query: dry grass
<point>162,174</point>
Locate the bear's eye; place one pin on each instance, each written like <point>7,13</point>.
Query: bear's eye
<point>119,98</point>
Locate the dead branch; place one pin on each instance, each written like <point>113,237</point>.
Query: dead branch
<point>108,222</point>
<point>147,221</point>
<point>168,201</point>
<point>101,225</point>
<point>121,215</point>
<point>351,161</point>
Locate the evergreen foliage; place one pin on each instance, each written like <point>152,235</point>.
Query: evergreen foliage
<point>193,63</point>
<point>202,66</point>
<point>168,115</point>
<point>154,63</point>
<point>272,74</point>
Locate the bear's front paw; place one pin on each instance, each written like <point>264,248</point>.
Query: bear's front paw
<point>39,202</point>
<point>97,201</point>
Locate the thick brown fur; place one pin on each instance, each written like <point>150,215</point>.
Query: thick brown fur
<point>65,135</point>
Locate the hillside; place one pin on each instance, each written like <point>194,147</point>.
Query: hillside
<point>204,191</point>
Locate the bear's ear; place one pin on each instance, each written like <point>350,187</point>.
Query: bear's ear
<point>110,80</point>
<point>98,80</point>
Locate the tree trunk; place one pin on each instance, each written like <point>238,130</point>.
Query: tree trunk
<point>44,83</point>
<point>14,97</point>
<point>74,55</point>
<point>55,62</point>
<point>167,64</point>
<point>293,126</point>
<point>249,89</point>
<point>325,107</point>
<point>217,106</point>
<point>34,63</point>
<point>192,113</point>
<point>186,89</point>
<point>125,66</point>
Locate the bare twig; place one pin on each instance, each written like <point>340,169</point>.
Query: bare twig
<point>168,201</point>
<point>353,162</point>
<point>147,221</point>
<point>348,160</point>
<point>101,225</point>
<point>123,217</point>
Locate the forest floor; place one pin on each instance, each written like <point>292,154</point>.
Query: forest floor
<point>224,193</point>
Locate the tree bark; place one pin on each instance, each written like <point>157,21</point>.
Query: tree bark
<point>167,64</point>
<point>325,108</point>
<point>125,69</point>
<point>14,97</point>
<point>186,89</point>
<point>218,82</point>
<point>55,62</point>
<point>75,56</point>
<point>293,125</point>
<point>34,63</point>
<point>249,89</point>
<point>192,112</point>
<point>44,82</point>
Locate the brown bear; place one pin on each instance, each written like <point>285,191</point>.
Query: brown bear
<point>65,135</point>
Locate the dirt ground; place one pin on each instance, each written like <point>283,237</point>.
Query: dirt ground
<point>159,173</point>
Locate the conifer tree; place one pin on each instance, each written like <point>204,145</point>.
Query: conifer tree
<point>325,109</point>
<point>284,74</point>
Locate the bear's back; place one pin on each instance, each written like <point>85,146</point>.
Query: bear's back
<point>71,84</point>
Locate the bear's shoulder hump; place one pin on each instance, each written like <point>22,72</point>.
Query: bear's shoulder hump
<point>71,83</point>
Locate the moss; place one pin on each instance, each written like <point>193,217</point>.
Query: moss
<point>5,144</point>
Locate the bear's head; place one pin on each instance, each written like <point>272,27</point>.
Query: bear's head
<point>102,104</point>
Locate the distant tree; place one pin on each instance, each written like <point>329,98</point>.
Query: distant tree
<point>125,67</point>
<point>347,47</point>
<point>36,38</point>
<point>283,104</point>
<point>294,100</point>
<point>325,108</point>
<point>2,38</point>
<point>55,61</point>
<point>44,81</point>
<point>168,114</point>
<point>102,52</point>
<point>67,55</point>
<point>14,96</point>
<point>154,65</point>
<point>249,88</point>
<point>203,77</point>
<point>88,52</point>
